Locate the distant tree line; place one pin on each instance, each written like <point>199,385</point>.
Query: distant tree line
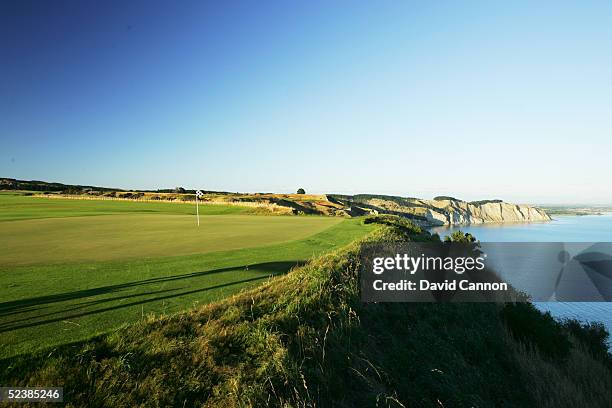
<point>486,202</point>
<point>442,198</point>
<point>35,185</point>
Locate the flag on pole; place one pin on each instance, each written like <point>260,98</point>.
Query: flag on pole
<point>199,194</point>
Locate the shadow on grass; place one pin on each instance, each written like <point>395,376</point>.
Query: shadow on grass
<point>33,304</point>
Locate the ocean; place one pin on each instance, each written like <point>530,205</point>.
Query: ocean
<point>586,228</point>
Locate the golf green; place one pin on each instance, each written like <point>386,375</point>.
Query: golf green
<point>134,236</point>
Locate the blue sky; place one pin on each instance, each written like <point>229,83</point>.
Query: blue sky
<point>471,99</point>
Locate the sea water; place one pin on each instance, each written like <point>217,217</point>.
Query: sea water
<point>584,228</point>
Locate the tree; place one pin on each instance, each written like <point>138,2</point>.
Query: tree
<point>460,237</point>
<point>301,191</point>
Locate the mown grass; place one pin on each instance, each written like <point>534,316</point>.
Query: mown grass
<point>50,304</point>
<point>136,236</point>
<point>305,339</point>
<point>65,278</point>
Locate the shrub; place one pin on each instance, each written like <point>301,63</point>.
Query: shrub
<point>443,198</point>
<point>460,237</point>
<point>534,328</point>
<point>394,221</point>
<point>593,336</point>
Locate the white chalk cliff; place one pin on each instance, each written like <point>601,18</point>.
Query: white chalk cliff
<point>441,210</point>
<point>456,212</point>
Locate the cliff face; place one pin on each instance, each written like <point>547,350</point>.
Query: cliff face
<point>443,210</point>
<point>455,212</point>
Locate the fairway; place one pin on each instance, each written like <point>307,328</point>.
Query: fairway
<point>67,277</point>
<point>15,206</point>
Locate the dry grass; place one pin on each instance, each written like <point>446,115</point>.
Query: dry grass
<point>260,207</point>
<point>581,381</point>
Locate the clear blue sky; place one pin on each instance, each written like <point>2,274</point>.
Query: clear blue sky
<point>507,100</point>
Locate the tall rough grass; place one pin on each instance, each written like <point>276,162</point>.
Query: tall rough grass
<point>258,207</point>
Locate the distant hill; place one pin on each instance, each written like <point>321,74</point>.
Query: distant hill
<point>36,185</point>
<point>442,210</point>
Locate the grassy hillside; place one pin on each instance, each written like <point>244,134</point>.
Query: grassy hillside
<point>37,185</point>
<point>305,339</point>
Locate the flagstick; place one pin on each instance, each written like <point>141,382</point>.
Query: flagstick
<point>197,210</point>
<point>198,195</point>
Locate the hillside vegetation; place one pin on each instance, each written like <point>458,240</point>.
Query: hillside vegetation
<point>305,339</point>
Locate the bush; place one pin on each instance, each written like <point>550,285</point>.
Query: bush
<point>443,198</point>
<point>593,336</point>
<point>534,328</point>
<point>460,237</point>
<point>394,221</point>
<point>301,191</point>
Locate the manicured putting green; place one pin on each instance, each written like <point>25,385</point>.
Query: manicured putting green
<point>133,236</point>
